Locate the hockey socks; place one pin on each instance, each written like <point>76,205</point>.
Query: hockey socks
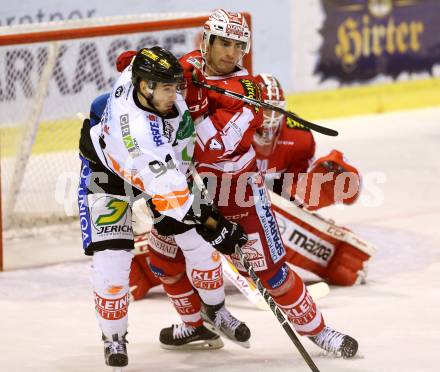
<point>110,272</point>
<point>300,308</point>
<point>185,300</point>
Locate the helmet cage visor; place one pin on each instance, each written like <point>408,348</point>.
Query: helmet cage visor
<point>271,121</point>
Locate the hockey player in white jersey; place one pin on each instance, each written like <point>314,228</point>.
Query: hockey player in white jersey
<point>137,149</point>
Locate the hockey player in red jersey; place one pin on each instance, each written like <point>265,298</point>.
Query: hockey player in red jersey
<point>285,152</point>
<point>226,160</point>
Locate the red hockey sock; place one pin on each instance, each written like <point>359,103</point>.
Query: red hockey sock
<point>185,300</point>
<point>300,308</point>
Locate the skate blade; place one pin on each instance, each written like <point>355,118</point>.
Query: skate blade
<point>245,344</point>
<point>216,343</point>
<point>118,369</point>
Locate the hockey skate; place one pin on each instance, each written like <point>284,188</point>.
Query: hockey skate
<point>219,320</point>
<point>336,343</point>
<point>183,336</point>
<point>115,351</point>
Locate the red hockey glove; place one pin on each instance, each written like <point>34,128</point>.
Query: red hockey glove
<point>124,59</point>
<point>142,278</point>
<point>196,97</point>
<point>330,180</point>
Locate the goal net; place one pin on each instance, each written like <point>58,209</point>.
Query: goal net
<point>48,74</point>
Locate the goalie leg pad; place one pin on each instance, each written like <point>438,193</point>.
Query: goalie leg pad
<point>110,272</point>
<point>348,266</point>
<point>317,245</point>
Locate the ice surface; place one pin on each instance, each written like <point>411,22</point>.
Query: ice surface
<point>47,320</point>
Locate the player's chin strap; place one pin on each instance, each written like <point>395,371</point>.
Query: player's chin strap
<point>266,295</point>
<point>255,102</point>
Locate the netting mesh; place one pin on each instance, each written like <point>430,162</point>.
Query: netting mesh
<point>42,88</point>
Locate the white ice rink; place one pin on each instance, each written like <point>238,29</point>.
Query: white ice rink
<point>47,321</point>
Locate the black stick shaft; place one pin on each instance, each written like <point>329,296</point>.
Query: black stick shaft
<point>316,127</point>
<point>276,310</point>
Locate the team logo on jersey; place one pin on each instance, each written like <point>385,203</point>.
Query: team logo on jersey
<point>251,90</point>
<point>186,127</point>
<point>292,124</point>
<point>195,62</point>
<point>119,90</point>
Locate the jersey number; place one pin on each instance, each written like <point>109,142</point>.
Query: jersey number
<point>159,168</point>
<point>215,145</point>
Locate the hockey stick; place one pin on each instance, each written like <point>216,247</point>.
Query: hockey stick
<point>264,105</point>
<point>276,310</point>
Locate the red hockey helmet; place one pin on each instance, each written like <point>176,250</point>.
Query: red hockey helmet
<point>228,25</point>
<point>267,134</point>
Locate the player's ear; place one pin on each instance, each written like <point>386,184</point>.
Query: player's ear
<point>143,86</point>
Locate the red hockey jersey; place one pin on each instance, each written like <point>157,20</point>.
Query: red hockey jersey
<point>292,155</point>
<point>224,135</point>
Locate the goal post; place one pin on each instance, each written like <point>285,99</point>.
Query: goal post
<point>50,72</point>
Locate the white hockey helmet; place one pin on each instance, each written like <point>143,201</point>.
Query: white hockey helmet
<point>228,25</point>
<point>272,92</point>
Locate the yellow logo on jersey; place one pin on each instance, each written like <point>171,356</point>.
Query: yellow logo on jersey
<point>118,209</point>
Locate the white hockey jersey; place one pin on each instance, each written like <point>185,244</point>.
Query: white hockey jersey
<point>148,151</point>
